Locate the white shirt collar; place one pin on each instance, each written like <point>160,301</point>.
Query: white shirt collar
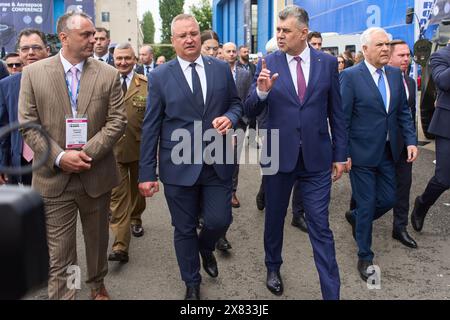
<point>185,64</point>
<point>129,76</point>
<point>372,69</point>
<point>305,55</point>
<point>105,57</point>
<point>67,65</point>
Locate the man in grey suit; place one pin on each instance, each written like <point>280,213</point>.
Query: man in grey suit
<point>243,80</point>
<point>78,101</point>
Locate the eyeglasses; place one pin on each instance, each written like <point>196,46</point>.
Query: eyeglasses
<point>14,65</point>
<point>34,48</point>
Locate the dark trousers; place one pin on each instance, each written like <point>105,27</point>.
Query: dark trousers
<point>297,204</point>
<point>374,191</point>
<point>403,173</point>
<point>315,193</point>
<point>440,182</point>
<point>211,196</point>
<point>25,179</point>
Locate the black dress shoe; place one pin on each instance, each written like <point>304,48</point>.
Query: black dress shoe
<point>351,220</point>
<point>260,201</point>
<point>300,222</point>
<point>418,214</point>
<point>404,238</point>
<point>223,244</point>
<point>274,282</point>
<point>362,268</point>
<point>118,255</point>
<point>137,230</point>
<point>209,263</point>
<point>192,293</point>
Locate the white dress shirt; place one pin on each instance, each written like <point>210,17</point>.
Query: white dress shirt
<point>200,67</point>
<point>292,64</point>
<point>376,77</point>
<point>128,79</point>
<point>104,58</point>
<point>68,74</point>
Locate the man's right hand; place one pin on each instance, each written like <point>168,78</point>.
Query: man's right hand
<point>265,81</point>
<point>3,179</point>
<point>148,189</point>
<point>75,162</point>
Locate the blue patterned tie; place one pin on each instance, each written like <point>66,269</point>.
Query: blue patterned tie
<point>382,88</point>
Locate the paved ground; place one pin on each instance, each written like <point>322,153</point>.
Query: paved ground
<point>152,272</point>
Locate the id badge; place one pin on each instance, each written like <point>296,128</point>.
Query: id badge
<point>76,132</point>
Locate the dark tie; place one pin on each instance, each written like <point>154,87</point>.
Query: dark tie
<point>301,82</point>
<point>382,88</point>
<point>197,88</point>
<point>124,85</point>
<point>148,70</point>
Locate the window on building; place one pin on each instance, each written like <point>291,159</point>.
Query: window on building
<point>105,16</point>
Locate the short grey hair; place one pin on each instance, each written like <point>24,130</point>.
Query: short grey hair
<point>366,36</point>
<point>123,46</point>
<point>148,48</point>
<point>183,16</point>
<point>297,12</point>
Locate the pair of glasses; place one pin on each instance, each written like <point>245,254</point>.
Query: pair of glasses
<point>14,65</point>
<point>34,48</point>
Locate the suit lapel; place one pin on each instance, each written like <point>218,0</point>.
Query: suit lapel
<point>55,72</point>
<point>209,80</point>
<point>314,73</point>
<point>391,83</point>
<point>87,81</point>
<point>365,74</point>
<point>132,89</point>
<point>285,76</point>
<point>180,79</point>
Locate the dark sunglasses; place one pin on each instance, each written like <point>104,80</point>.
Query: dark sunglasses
<point>14,65</point>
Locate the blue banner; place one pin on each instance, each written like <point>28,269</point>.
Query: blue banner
<point>86,6</point>
<point>18,15</point>
<point>355,16</point>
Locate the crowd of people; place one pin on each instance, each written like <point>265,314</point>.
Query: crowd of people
<point>111,116</point>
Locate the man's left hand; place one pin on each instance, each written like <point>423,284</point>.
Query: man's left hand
<point>412,153</point>
<point>338,170</point>
<point>222,124</point>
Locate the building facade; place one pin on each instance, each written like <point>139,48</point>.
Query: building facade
<point>118,16</point>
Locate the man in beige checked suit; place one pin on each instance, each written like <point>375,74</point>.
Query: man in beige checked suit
<point>71,85</point>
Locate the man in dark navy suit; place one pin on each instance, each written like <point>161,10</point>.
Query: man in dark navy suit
<point>205,102</point>
<point>299,87</point>
<point>377,112</point>
<point>440,127</point>
<point>101,47</point>
<point>32,47</point>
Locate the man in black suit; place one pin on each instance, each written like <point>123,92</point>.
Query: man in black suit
<point>401,58</point>
<point>146,60</point>
<point>439,126</point>
<point>102,41</point>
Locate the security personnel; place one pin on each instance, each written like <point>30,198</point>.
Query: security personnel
<point>127,204</point>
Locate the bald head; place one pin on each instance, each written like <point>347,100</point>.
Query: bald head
<point>230,53</point>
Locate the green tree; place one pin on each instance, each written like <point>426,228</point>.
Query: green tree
<point>148,27</point>
<point>168,9</point>
<point>203,13</point>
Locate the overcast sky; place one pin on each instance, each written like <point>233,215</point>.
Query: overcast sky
<point>153,7</point>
